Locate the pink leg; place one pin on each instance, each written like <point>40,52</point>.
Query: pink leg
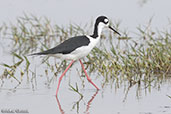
<point>88,78</point>
<point>60,78</point>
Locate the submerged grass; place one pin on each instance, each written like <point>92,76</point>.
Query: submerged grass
<point>141,59</point>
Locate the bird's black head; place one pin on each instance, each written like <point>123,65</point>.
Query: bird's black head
<point>102,19</point>
<point>101,22</point>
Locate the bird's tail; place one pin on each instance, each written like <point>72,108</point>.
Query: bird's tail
<point>40,53</point>
<point>47,52</point>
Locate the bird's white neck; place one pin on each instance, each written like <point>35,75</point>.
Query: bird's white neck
<point>98,30</point>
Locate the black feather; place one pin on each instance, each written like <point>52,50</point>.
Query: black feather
<point>67,46</point>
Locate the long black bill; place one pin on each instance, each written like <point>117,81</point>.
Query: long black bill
<point>114,30</point>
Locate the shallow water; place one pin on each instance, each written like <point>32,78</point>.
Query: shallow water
<point>36,95</point>
<point>108,100</point>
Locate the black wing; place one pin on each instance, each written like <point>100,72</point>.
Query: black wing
<point>67,46</point>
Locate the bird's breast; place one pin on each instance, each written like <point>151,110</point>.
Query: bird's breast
<point>85,50</point>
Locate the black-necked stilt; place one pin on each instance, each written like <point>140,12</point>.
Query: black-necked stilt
<point>78,47</point>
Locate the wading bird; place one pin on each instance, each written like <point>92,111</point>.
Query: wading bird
<point>78,47</point>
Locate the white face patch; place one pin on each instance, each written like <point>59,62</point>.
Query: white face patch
<point>106,20</point>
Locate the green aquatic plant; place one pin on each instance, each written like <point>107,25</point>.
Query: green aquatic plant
<point>142,59</point>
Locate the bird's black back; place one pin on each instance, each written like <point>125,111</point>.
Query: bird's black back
<point>67,46</point>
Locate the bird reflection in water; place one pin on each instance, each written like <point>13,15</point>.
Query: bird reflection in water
<point>59,106</point>
<point>77,103</point>
<point>90,101</point>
